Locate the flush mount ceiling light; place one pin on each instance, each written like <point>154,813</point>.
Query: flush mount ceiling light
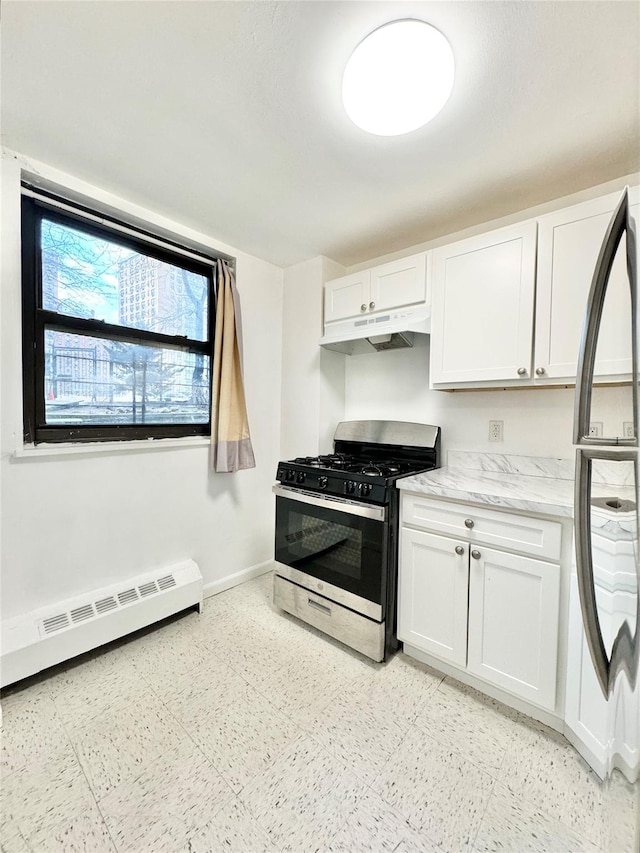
<point>398,78</point>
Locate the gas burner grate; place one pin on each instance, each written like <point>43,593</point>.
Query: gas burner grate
<point>375,470</point>
<point>335,461</point>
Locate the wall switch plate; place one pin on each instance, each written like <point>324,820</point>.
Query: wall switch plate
<point>496,430</point>
<point>595,429</point>
<point>627,429</point>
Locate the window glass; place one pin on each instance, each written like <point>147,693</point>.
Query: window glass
<point>90,380</point>
<point>84,275</point>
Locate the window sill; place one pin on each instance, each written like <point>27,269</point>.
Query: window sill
<point>99,448</point>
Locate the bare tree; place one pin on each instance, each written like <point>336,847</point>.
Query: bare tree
<point>76,268</point>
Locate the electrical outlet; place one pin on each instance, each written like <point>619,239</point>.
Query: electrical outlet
<point>627,429</point>
<point>495,430</point>
<point>595,429</point>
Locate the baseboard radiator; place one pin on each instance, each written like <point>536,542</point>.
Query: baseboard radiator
<point>53,634</point>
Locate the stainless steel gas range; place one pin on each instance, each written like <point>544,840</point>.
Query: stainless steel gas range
<point>337,530</point>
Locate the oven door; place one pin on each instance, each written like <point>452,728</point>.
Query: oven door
<point>336,547</point>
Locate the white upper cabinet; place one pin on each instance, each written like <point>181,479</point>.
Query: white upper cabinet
<point>396,284</point>
<point>399,283</point>
<point>569,241</point>
<point>347,296</point>
<point>484,311</point>
<point>482,307</point>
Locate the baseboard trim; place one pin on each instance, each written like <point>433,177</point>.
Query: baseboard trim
<point>595,755</point>
<point>230,581</point>
<point>593,759</point>
<point>549,718</point>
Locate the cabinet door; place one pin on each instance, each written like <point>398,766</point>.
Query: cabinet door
<point>432,595</point>
<point>399,283</point>
<point>586,712</point>
<point>482,317</point>
<point>513,624</point>
<point>345,297</point>
<point>568,245</point>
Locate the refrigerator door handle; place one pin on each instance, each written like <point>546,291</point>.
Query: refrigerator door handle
<point>621,222</point>
<point>584,567</point>
<point>625,650</point>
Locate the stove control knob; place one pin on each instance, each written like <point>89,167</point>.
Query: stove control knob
<point>290,475</point>
<point>365,489</point>
<point>301,477</point>
<point>350,487</point>
<point>322,482</point>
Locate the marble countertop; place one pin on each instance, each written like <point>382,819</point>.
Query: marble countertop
<point>528,484</point>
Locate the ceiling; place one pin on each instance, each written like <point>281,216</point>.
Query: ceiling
<point>227,116</point>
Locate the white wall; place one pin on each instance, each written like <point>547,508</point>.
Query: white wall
<point>537,422</point>
<point>312,377</point>
<point>519,216</point>
<point>75,522</point>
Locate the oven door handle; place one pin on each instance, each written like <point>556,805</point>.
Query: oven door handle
<point>377,513</point>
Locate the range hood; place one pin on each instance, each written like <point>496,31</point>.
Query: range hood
<point>393,330</point>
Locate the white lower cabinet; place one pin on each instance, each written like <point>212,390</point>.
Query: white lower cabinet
<point>433,594</point>
<point>513,624</point>
<point>492,613</point>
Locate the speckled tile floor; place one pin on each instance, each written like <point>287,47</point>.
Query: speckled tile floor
<point>241,730</point>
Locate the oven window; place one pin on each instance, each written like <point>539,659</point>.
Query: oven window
<point>324,541</point>
<point>341,549</point>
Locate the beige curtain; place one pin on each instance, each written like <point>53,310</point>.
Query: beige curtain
<point>230,440</point>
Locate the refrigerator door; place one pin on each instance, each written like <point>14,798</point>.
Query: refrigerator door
<point>602,715</point>
<point>625,650</point>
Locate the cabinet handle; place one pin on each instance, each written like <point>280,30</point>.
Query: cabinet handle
<point>372,305</point>
<point>476,554</point>
<point>540,371</point>
<point>363,307</point>
<point>522,371</point>
<point>469,522</point>
<point>459,550</point>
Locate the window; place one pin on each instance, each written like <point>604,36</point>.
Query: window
<point>117,329</point>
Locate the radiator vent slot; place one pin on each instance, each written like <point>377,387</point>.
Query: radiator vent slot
<point>104,605</point>
<point>100,606</point>
<point>79,614</point>
<point>55,623</point>
<point>127,596</point>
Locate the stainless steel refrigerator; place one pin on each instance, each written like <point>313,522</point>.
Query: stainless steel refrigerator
<point>604,708</point>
